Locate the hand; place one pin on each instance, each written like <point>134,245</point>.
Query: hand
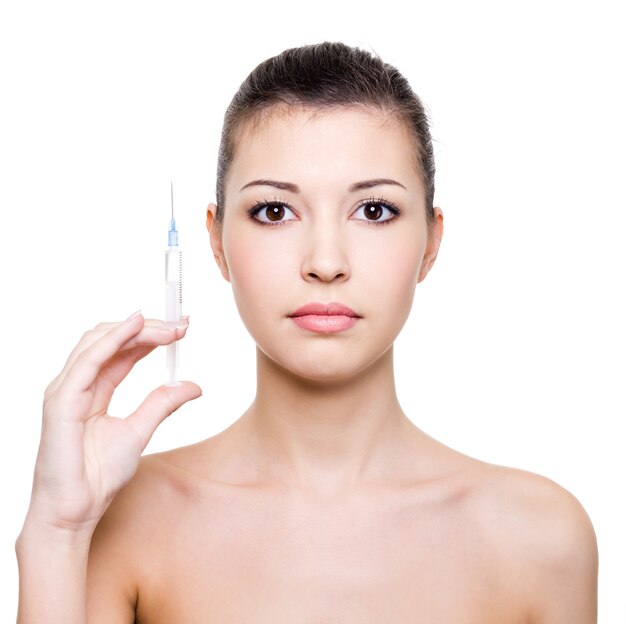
<point>86,456</point>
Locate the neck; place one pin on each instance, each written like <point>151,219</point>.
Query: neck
<point>327,436</point>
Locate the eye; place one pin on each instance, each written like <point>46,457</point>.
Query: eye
<point>274,210</point>
<point>374,207</point>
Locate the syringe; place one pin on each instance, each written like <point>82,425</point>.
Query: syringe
<point>173,292</point>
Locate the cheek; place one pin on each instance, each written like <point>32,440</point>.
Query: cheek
<point>261,273</point>
<point>389,272</point>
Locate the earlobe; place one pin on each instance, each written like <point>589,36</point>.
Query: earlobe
<point>215,236</point>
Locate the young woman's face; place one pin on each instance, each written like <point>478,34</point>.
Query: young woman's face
<point>321,240</point>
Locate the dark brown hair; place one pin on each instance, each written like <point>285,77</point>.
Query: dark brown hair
<point>325,76</point>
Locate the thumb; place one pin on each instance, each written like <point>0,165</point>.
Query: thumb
<point>158,405</point>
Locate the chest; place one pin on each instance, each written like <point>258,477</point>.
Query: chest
<point>255,562</point>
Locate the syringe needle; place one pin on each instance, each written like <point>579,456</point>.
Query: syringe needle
<point>172,195</point>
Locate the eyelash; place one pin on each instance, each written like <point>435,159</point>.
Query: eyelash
<point>267,203</point>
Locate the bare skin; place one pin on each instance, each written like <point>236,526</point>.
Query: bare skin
<point>323,502</point>
<point>200,535</point>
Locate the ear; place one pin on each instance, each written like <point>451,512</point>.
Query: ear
<point>215,234</point>
<point>432,248</point>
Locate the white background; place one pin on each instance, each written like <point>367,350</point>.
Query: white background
<point>514,351</point>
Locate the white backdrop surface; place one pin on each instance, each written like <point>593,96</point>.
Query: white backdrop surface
<point>514,351</point>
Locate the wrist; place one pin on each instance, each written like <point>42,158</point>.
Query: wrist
<point>52,563</point>
<point>41,533</point>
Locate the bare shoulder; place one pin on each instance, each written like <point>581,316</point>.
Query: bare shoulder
<point>126,541</point>
<point>545,538</point>
<point>550,522</point>
<point>156,491</point>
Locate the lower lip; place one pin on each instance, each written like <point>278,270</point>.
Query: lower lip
<point>325,323</point>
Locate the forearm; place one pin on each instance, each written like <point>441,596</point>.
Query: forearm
<point>52,575</point>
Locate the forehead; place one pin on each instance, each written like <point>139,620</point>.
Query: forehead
<point>330,147</point>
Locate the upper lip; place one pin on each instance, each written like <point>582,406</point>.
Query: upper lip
<point>332,308</point>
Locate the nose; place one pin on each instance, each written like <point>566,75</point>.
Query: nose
<point>324,254</point>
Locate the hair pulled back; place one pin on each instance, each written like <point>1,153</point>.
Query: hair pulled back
<point>325,76</point>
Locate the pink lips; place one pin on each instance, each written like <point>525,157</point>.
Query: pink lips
<point>325,317</point>
<point>333,308</point>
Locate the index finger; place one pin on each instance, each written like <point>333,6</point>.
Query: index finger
<point>153,333</point>
<point>89,362</point>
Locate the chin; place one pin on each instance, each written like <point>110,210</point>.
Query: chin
<point>323,365</point>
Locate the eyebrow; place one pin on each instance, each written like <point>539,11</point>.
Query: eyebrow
<point>294,188</point>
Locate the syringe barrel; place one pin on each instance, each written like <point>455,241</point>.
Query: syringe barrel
<point>173,284</point>
<point>173,305</point>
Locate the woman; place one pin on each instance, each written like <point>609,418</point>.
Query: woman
<point>323,502</point>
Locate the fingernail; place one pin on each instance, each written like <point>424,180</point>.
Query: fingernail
<point>133,315</point>
<point>184,322</point>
